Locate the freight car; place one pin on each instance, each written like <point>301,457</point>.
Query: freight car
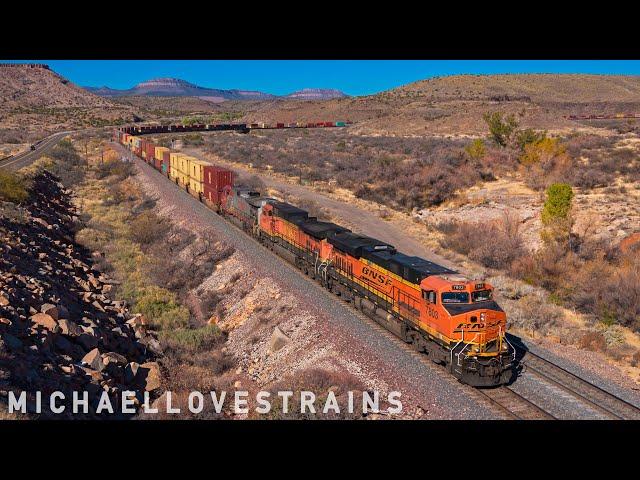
<point>451,318</point>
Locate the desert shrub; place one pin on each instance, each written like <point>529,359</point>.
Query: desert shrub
<point>556,213</point>
<point>594,341</point>
<point>161,308</point>
<point>13,187</point>
<point>470,239</point>
<point>534,313</point>
<point>501,128</point>
<point>529,136</point>
<point>476,149</point>
<point>148,228</point>
<point>113,167</point>
<point>192,339</point>
<point>193,139</point>
<point>557,204</point>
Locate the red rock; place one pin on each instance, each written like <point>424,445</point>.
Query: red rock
<point>94,360</point>
<point>151,375</point>
<point>44,320</point>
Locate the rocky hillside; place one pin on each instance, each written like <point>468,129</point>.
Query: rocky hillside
<point>38,96</point>
<point>455,104</point>
<point>59,328</point>
<point>537,88</point>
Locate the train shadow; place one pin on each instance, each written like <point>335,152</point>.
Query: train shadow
<point>521,351</point>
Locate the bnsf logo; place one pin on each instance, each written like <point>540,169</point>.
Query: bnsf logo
<point>382,279</point>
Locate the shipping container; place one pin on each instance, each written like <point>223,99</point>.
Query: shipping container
<point>195,186</point>
<point>216,179</point>
<point>340,124</point>
<point>159,151</point>
<point>184,163</point>
<point>197,169</point>
<point>174,163</point>
<point>151,151</point>
<point>279,125</point>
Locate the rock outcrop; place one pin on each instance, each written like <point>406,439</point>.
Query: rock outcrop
<point>59,328</point>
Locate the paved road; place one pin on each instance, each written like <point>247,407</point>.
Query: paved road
<point>26,158</point>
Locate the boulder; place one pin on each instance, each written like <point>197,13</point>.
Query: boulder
<point>278,340</point>
<point>150,376</point>
<point>4,301</point>
<point>113,357</point>
<point>51,310</point>
<point>44,320</point>
<point>67,327</point>
<point>94,360</point>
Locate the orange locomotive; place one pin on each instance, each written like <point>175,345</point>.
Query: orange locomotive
<point>451,318</point>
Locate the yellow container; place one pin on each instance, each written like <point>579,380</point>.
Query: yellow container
<point>195,186</point>
<point>159,151</point>
<point>196,170</point>
<point>184,179</point>
<point>185,163</point>
<point>174,161</point>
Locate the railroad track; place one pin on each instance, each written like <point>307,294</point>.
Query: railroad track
<point>514,405</point>
<point>584,391</point>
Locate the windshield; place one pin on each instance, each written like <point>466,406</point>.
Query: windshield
<point>455,297</point>
<point>481,295</point>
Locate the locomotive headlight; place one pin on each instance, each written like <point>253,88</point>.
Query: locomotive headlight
<point>482,317</point>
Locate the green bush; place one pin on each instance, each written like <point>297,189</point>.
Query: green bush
<point>161,308</point>
<point>12,188</point>
<point>192,338</point>
<point>501,128</point>
<point>476,149</point>
<point>557,206</point>
<point>529,136</point>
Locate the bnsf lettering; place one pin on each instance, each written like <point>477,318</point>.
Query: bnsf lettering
<point>381,279</point>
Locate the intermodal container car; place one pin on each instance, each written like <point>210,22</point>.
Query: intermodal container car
<point>216,180</point>
<point>197,169</point>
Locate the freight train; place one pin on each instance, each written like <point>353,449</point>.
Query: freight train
<point>453,319</point>
<point>239,127</point>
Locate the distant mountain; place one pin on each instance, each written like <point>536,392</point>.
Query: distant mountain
<point>316,94</point>
<point>174,87</point>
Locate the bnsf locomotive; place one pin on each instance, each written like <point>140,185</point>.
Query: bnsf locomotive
<point>440,312</point>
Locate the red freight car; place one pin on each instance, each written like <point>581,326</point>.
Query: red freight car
<point>215,181</point>
<point>166,162</point>
<point>150,148</point>
<point>279,125</point>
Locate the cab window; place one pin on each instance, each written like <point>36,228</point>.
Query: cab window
<point>481,295</point>
<point>429,296</point>
<point>455,297</point>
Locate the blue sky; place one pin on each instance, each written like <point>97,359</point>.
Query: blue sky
<point>354,77</point>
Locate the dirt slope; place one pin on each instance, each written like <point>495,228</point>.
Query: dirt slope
<point>454,105</point>
<point>39,97</point>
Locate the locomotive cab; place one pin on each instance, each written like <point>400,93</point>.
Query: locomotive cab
<point>480,353</point>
